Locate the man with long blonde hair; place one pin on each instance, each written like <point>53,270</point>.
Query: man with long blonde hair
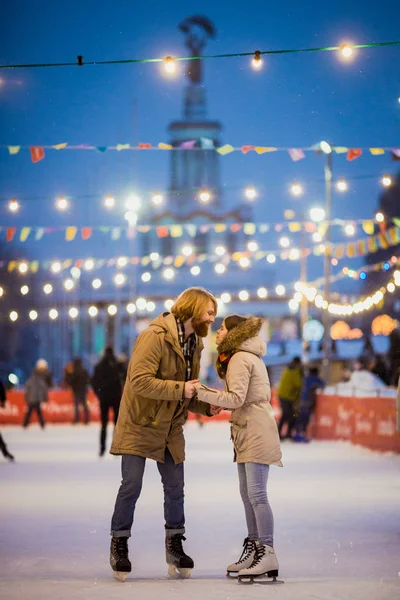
<point>159,391</point>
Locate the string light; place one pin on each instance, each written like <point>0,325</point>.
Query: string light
<point>131,308</point>
<point>33,315</point>
<point>317,237</point>
<point>122,261</point>
<point>141,303</point>
<point>1,291</point>
<point>13,205</point>
<point>88,265</point>
<point>271,258</point>
<point>262,293</point>
<point>341,185</point>
<point>294,254</point>
<point>250,193</point>
<point>391,287</point>
<point>23,268</point>
<point>53,314</point>
<point>252,246</point>
<point>150,307</point>
<point>220,250</point>
<point>346,51</point>
<point>73,312</point>
<point>157,199</point>
<point>284,242</point>
<point>96,283</point>
<point>56,267</point>
<point>13,315</point>
<point>296,189</point>
<point>293,305</point>
<point>317,214</point>
<point>133,203</point>
<point>68,284</point>
<point>219,268</point>
<point>257,61</point>
<point>187,250</point>
<point>244,262</point>
<point>112,310</point>
<point>119,279</point>
<point>62,203</point>
<point>325,147</point>
<point>386,181</point>
<point>379,217</point>
<point>226,297</point>
<point>92,310</point>
<point>280,290</point>
<point>205,196</point>
<point>24,290</point>
<point>168,304</point>
<point>170,65</point>
<point>47,288</point>
<point>146,277</point>
<point>109,202</point>
<point>169,273</point>
<point>195,270</point>
<point>154,256</point>
<point>349,229</point>
<point>244,295</point>
<point>75,272</point>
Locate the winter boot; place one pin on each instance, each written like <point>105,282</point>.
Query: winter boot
<point>264,563</point>
<point>179,563</point>
<point>119,558</point>
<point>246,559</point>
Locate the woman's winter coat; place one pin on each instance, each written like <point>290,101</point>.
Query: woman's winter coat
<point>36,390</point>
<point>247,393</point>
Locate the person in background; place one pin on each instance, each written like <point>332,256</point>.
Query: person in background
<point>379,368</point>
<point>3,447</point>
<point>43,370</point>
<point>308,399</point>
<point>78,380</point>
<point>123,363</point>
<point>36,392</point>
<point>289,393</point>
<point>106,383</point>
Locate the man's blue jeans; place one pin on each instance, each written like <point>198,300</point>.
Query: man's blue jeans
<point>172,477</point>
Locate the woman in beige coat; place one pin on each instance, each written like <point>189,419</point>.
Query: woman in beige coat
<point>254,434</point>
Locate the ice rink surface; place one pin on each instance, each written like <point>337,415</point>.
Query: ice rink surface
<point>336,507</point>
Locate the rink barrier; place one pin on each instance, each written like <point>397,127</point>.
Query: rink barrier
<point>368,422</point>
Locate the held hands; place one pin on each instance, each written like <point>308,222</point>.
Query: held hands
<point>190,388</point>
<point>215,410</point>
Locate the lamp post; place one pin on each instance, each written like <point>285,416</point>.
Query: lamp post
<point>326,320</point>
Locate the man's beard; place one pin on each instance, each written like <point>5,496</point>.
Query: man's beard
<point>200,327</point>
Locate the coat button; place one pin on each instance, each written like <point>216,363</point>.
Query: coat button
<point>177,386</point>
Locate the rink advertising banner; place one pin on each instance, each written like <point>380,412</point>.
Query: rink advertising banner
<point>368,422</point>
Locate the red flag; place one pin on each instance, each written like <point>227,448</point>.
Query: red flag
<point>144,146</point>
<point>10,233</point>
<point>246,149</point>
<point>86,233</point>
<point>37,153</point>
<point>354,153</point>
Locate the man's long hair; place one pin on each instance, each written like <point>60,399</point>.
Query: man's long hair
<point>192,303</point>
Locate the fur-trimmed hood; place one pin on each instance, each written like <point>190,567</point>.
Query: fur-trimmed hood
<point>244,337</point>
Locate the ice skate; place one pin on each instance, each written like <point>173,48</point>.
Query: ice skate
<point>264,568</point>
<point>179,563</point>
<point>119,559</point>
<point>246,559</point>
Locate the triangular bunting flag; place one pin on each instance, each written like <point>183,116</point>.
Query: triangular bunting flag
<point>294,227</point>
<point>371,243</point>
<point>39,233</point>
<point>12,265</point>
<point>296,154</point>
<point>86,233</point>
<point>368,227</point>
<point>60,146</point>
<point>115,233</point>
<point>10,232</point>
<point>354,153</point>
<point>226,149</point>
<point>131,232</point>
<point>101,148</point>
<point>249,228</point>
<point>70,233</point>
<point>395,154</point>
<point>376,151</point>
<point>14,149</point>
<point>396,221</point>
<point>179,261</point>
<point>120,147</point>
<point>25,231</point>
<point>37,153</point>
<point>264,149</point>
<point>162,231</point>
<point>188,145</point>
<point>164,146</point>
<point>145,146</point>
<point>219,228</point>
<point>206,143</point>
<point>34,266</point>
<point>176,231</point>
<point>340,149</point>
<point>246,149</point>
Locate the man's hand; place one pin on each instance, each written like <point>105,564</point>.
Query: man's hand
<point>215,410</point>
<point>190,388</point>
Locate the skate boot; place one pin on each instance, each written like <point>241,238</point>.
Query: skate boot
<point>246,559</point>
<point>179,563</point>
<point>119,559</point>
<point>265,565</point>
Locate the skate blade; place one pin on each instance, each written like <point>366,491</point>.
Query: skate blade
<point>121,575</point>
<point>232,574</point>
<point>177,573</point>
<point>261,579</point>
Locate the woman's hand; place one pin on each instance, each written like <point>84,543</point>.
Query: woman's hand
<point>215,410</point>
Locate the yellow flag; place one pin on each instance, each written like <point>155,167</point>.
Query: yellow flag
<point>25,231</point>
<point>14,149</point>
<point>294,226</point>
<point>263,149</point>
<point>226,149</point>
<point>376,151</point>
<point>176,231</point>
<point>368,227</point>
<point>179,260</point>
<point>70,233</point>
<point>123,147</point>
<point>249,228</point>
<point>34,266</point>
<point>60,146</point>
<point>340,149</point>
<point>219,228</point>
<point>164,146</point>
<point>12,265</point>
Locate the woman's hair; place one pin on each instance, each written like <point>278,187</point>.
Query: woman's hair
<point>192,303</point>
<point>232,321</point>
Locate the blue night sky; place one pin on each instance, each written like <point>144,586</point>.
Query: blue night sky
<point>296,100</point>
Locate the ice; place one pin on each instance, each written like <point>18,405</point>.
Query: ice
<point>336,510</point>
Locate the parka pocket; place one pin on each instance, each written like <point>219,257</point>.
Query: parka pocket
<point>149,415</point>
<point>239,436</point>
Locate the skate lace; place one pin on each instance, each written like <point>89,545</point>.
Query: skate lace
<point>175,544</point>
<point>121,547</point>
<point>248,547</point>
<point>260,553</point>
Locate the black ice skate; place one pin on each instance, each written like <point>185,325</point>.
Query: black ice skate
<point>119,559</point>
<point>179,563</point>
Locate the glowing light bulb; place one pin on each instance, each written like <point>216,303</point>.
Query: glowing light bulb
<point>53,314</point>
<point>317,237</point>
<point>284,242</point>
<point>262,292</point>
<point>33,315</point>
<point>112,310</point>
<point>13,205</point>
<point>157,199</point>
<point>205,196</point>
<point>150,307</point>
<point>119,279</point>
<point>250,193</point>
<point>195,270</point>
<point>23,268</point>
<point>244,262</point>
<point>280,290</point>
<point>293,305</point>
<point>220,250</point>
<point>219,268</point>
<point>73,312</point>
<point>56,267</point>
<point>13,315</point>
<point>170,65</point>
<point>88,264</point>
<point>325,147</point>
<point>386,181</point>
<point>96,283</point>
<point>122,261</point>
<point>131,308</point>
<point>146,277</point>
<point>346,50</point>
<point>349,229</point>
<point>62,203</point>
<point>168,304</point>
<point>169,273</point>
<point>226,297</point>
<point>296,189</point>
<point>1,291</point>
<point>48,288</point>
<point>271,258</point>
<point>244,295</point>
<point>187,250</point>
<point>252,246</point>
<point>154,256</point>
<point>380,217</point>
<point>24,290</point>
<point>92,311</point>
<point>109,202</point>
<point>317,214</point>
<point>341,185</point>
<point>68,284</point>
<point>257,61</point>
<point>141,303</point>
